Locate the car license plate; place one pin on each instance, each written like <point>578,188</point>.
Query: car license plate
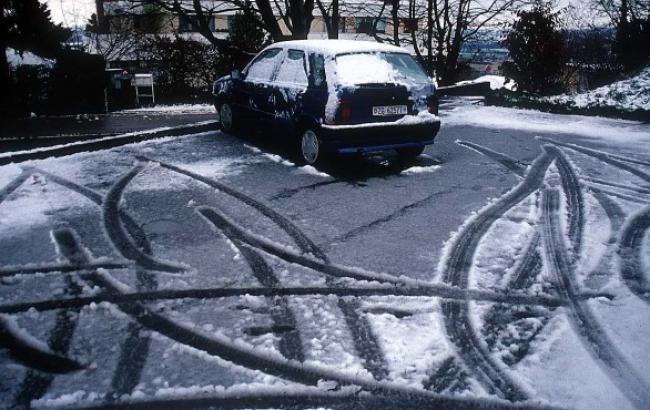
<point>383,110</point>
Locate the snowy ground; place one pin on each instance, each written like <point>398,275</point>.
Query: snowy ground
<point>508,265</point>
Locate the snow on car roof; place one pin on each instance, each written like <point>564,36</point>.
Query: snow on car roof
<point>339,46</point>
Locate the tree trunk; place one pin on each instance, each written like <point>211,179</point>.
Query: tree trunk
<point>270,23</point>
<point>335,20</point>
<point>395,16</point>
<point>5,78</point>
<point>102,27</point>
<point>430,37</point>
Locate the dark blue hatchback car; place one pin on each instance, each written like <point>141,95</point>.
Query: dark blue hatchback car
<point>333,96</point>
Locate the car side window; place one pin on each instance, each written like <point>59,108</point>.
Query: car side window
<point>293,69</point>
<point>262,68</point>
<point>317,64</point>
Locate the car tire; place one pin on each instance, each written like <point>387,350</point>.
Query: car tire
<point>227,118</point>
<point>311,148</point>
<point>410,152</point>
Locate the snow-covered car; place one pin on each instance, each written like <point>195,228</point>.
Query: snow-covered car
<point>333,96</point>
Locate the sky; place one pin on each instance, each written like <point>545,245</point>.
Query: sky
<point>71,12</point>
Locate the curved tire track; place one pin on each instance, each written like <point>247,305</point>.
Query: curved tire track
<point>303,242</point>
<point>631,253</point>
<point>31,354</point>
<point>118,235</point>
<point>593,337</point>
<point>135,348</point>
<point>614,160</point>
<point>457,319</point>
<point>513,165</point>
<point>575,201</point>
<point>14,184</point>
<point>287,369</point>
<point>35,384</point>
<point>360,330</point>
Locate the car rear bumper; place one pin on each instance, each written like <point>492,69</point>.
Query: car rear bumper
<point>377,137</point>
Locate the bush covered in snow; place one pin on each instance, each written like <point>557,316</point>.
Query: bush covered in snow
<point>629,98</point>
<point>628,95</point>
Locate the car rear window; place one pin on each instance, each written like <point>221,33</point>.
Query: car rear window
<point>379,67</point>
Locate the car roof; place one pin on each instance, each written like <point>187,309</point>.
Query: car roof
<point>333,47</point>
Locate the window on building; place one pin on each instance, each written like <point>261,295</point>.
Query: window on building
<point>190,24</point>
<point>365,24</point>
<point>293,69</point>
<point>342,28</point>
<point>410,25</point>
<point>147,23</point>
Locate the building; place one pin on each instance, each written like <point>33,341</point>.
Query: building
<point>356,21</point>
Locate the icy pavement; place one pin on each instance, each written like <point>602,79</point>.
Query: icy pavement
<point>507,267</point>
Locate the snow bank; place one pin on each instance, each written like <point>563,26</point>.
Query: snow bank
<point>173,109</point>
<point>497,82</point>
<point>16,59</point>
<point>620,131</point>
<point>627,95</point>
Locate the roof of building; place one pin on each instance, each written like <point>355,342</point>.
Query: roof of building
<point>339,46</point>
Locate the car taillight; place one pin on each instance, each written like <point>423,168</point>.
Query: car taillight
<point>433,104</point>
<point>345,111</point>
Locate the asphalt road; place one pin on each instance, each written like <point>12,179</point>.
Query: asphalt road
<point>210,270</point>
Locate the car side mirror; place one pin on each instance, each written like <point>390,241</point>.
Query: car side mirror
<point>235,74</point>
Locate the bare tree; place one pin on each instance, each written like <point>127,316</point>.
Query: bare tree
<point>456,21</point>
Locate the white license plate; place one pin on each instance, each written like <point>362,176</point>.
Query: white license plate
<point>382,110</point>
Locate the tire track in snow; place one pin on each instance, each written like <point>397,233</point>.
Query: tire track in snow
<point>592,336</point>
<point>344,400</point>
<point>288,193</point>
<point>35,384</point>
<point>575,201</point>
<point>288,369</point>
<point>134,349</point>
<point>626,187</point>
<point>119,236</point>
<point>499,317</point>
<point>300,238</point>
<point>444,292</point>
<point>611,159</point>
<point>512,164</point>
<point>14,184</point>
<point>364,340</point>
<point>455,272</point>
<point>636,199</point>
<point>290,344</point>
<point>630,254</point>
<point>33,354</point>
<point>59,268</point>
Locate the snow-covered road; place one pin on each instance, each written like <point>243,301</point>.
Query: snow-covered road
<point>507,267</point>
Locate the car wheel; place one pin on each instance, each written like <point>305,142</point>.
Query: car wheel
<point>311,148</point>
<point>227,118</point>
<point>410,152</point>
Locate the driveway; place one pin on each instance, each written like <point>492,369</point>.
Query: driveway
<point>507,266</point>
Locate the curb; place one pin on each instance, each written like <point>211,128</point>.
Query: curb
<point>106,143</point>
